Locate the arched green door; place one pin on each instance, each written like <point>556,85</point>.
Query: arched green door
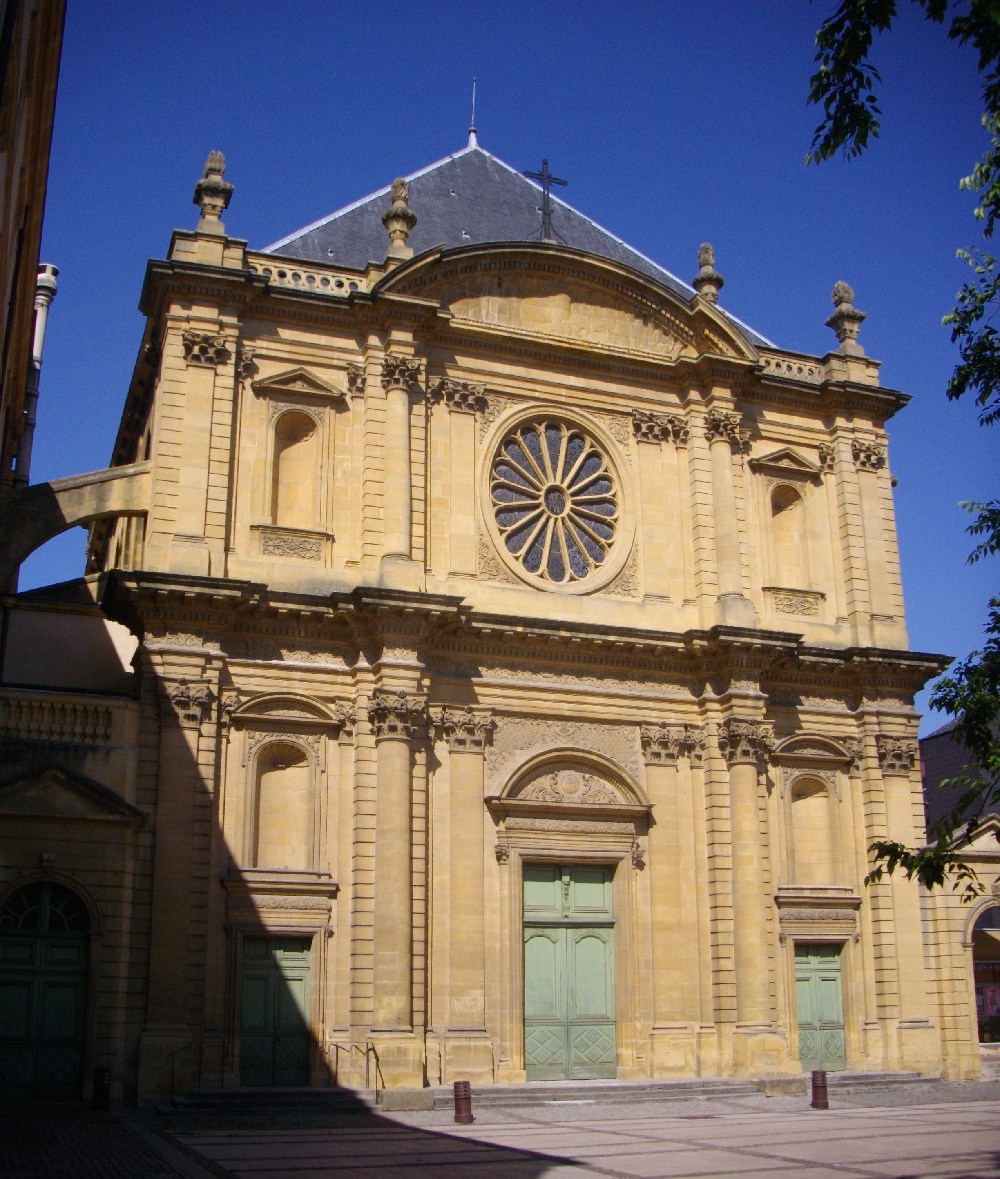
<point>43,993</point>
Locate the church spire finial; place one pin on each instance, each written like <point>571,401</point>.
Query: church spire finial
<point>707,282</point>
<point>473,141</point>
<point>399,220</point>
<point>846,319</point>
<point>213,194</point>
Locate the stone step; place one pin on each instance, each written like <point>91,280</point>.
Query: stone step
<point>304,1098</point>
<point>593,1092</point>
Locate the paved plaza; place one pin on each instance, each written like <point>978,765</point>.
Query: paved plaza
<point>952,1131</point>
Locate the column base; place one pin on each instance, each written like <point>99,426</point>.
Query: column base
<point>400,1059</point>
<point>400,573</point>
<point>165,1060</point>
<point>919,1046</point>
<point>674,1050</point>
<point>759,1050</point>
<point>735,610</point>
<point>467,1056</point>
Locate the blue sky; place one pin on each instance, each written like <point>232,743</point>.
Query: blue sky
<point>674,123</point>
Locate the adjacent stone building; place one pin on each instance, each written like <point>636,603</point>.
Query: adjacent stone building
<point>521,675</point>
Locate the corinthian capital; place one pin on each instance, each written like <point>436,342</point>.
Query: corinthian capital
<point>896,755</point>
<point>401,372</point>
<point>394,716</point>
<point>466,730</point>
<point>663,744</point>
<point>725,424</point>
<point>746,743</point>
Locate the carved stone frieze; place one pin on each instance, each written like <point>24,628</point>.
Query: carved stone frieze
<point>802,603</point>
<point>205,348</point>
<point>401,372</point>
<point>287,544</point>
<point>659,427</point>
<point>626,584</point>
<point>311,742</point>
<point>896,755</point>
<point>570,786</point>
<point>868,456</point>
<point>494,408</point>
<point>744,742</point>
<point>595,826</point>
<point>462,396</point>
<point>466,730</point>
<point>490,569</point>
<point>663,744</point>
<point>395,716</point>
<point>190,702</point>
<point>516,735</point>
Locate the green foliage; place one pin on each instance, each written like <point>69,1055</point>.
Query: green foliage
<point>844,86</point>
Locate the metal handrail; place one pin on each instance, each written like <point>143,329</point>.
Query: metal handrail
<point>366,1053</point>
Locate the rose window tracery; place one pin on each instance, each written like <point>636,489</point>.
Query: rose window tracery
<point>555,500</point>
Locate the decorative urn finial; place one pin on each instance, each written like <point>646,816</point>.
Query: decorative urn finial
<point>707,282</point>
<point>213,194</point>
<point>846,319</point>
<point>399,220</point>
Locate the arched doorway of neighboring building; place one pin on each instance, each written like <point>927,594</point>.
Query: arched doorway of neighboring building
<point>44,942</point>
<point>986,972</point>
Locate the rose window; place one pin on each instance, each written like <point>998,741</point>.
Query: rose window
<point>555,501</point>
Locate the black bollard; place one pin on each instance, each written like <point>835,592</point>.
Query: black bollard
<point>463,1103</point>
<point>101,1097</point>
<point>821,1099</point>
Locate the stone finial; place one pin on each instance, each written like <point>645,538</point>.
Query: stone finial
<point>846,319</point>
<point>399,220</point>
<point>213,194</point>
<point>707,282</point>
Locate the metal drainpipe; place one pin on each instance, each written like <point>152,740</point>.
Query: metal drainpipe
<point>45,292</point>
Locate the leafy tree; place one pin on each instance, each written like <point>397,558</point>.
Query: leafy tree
<point>844,86</point>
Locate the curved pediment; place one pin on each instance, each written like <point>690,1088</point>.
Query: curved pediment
<point>285,706</point>
<point>571,778</point>
<point>539,291</point>
<point>807,748</point>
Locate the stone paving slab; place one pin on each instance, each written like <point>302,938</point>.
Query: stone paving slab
<point>784,1138</point>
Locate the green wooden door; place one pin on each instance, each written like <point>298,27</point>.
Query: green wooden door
<point>43,994</point>
<point>569,991</point>
<point>819,1000</point>
<point>274,1011</point>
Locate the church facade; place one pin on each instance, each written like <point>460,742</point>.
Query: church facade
<point>521,675</point>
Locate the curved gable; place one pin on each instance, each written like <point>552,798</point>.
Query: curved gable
<point>566,296</point>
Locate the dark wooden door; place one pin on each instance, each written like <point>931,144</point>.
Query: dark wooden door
<point>274,1007</point>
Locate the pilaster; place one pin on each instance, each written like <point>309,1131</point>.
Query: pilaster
<point>467,1050</point>
<point>726,437</point>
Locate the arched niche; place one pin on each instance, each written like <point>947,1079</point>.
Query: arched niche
<point>283,815</point>
<point>294,470</point>
<point>813,833</point>
<point>811,769</point>
<point>789,537</point>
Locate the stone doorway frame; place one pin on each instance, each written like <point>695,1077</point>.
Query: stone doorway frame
<point>605,834</point>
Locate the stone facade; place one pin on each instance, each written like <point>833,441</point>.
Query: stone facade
<point>497,556</point>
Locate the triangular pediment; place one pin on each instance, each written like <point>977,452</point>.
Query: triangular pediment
<point>786,462</point>
<point>60,793</point>
<point>300,382</point>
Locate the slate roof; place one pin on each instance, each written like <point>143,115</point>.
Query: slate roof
<point>464,199</point>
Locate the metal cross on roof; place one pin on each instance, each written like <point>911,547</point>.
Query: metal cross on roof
<point>546,180</point>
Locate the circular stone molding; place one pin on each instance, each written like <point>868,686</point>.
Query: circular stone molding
<point>555,502</point>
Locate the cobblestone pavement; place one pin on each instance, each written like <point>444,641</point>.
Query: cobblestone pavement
<point>933,1131</point>
<point>71,1142</point>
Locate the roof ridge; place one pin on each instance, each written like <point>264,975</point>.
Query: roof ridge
<point>384,191</point>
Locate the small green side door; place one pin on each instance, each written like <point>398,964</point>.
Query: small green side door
<point>274,1009</point>
<point>819,1001</point>
<point>569,993</point>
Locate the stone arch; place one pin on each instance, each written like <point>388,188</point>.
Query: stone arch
<point>94,922</point>
<point>31,516</point>
<point>531,771</point>
<point>982,939</point>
